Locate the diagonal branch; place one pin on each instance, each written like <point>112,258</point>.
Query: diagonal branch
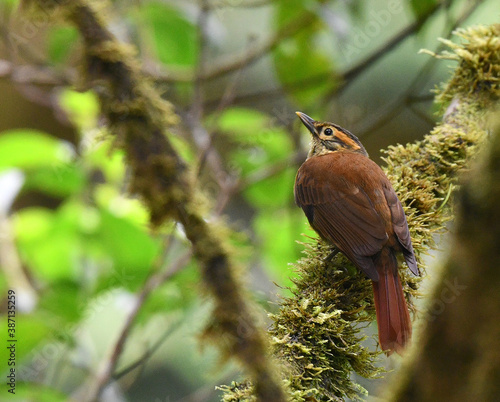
<point>348,76</point>
<point>109,365</point>
<point>138,117</point>
<point>405,98</point>
<point>329,303</point>
<point>244,60</point>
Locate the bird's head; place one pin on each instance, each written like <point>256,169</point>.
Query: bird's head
<point>328,137</point>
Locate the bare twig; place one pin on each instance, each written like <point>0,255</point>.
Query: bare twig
<point>404,98</point>
<point>349,75</point>
<point>352,73</point>
<point>244,60</point>
<point>35,74</point>
<point>147,355</point>
<point>109,366</point>
<point>201,136</point>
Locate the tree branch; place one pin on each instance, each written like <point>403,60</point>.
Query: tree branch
<point>457,357</point>
<point>349,75</point>
<point>139,118</point>
<point>406,96</point>
<point>109,366</point>
<point>246,59</point>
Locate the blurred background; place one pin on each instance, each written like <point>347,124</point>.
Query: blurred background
<point>76,246</point>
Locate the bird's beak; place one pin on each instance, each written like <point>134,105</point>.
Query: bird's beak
<point>307,121</point>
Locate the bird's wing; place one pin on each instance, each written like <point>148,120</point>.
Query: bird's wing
<point>341,212</point>
<point>400,226</point>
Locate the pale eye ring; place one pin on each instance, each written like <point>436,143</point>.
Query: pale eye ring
<point>328,131</point>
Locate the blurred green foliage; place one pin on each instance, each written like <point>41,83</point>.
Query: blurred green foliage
<point>172,36</point>
<point>300,58</point>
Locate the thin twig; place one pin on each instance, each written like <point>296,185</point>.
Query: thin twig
<point>35,74</point>
<point>352,73</point>
<point>404,98</point>
<point>197,104</point>
<point>240,3</point>
<point>347,76</point>
<point>273,170</point>
<point>254,55</point>
<point>147,355</point>
<point>109,366</point>
<point>201,137</point>
<point>244,60</point>
<point>255,177</point>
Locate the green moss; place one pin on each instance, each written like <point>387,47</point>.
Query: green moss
<point>479,64</point>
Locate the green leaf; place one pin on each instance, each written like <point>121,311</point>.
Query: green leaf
<point>289,10</point>
<point>31,331</point>
<point>61,301</point>
<point>31,392</point>
<point>274,191</point>
<point>81,107</point>
<point>27,148</point>
<point>246,125</point>
<point>182,147</point>
<point>131,248</point>
<point>260,148</point>
<point>58,258</point>
<point>60,180</point>
<point>173,37</point>
<point>109,160</point>
<point>278,232</point>
<point>298,59</point>
<point>60,42</point>
<point>179,293</point>
<point>111,198</point>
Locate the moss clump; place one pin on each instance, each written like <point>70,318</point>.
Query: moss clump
<point>479,64</point>
<point>317,330</point>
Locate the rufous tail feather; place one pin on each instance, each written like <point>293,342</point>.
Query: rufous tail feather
<point>393,319</point>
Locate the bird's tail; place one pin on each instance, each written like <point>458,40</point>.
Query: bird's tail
<point>393,319</point>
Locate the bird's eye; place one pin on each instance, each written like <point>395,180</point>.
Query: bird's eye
<point>328,131</point>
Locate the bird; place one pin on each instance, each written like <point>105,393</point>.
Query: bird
<point>351,204</point>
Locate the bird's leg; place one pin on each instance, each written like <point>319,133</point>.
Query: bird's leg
<point>330,256</point>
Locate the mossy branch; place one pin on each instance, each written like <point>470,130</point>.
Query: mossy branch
<point>316,332</point>
<point>458,356</point>
<point>139,118</point>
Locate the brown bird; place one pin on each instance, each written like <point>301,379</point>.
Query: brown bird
<point>350,203</point>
